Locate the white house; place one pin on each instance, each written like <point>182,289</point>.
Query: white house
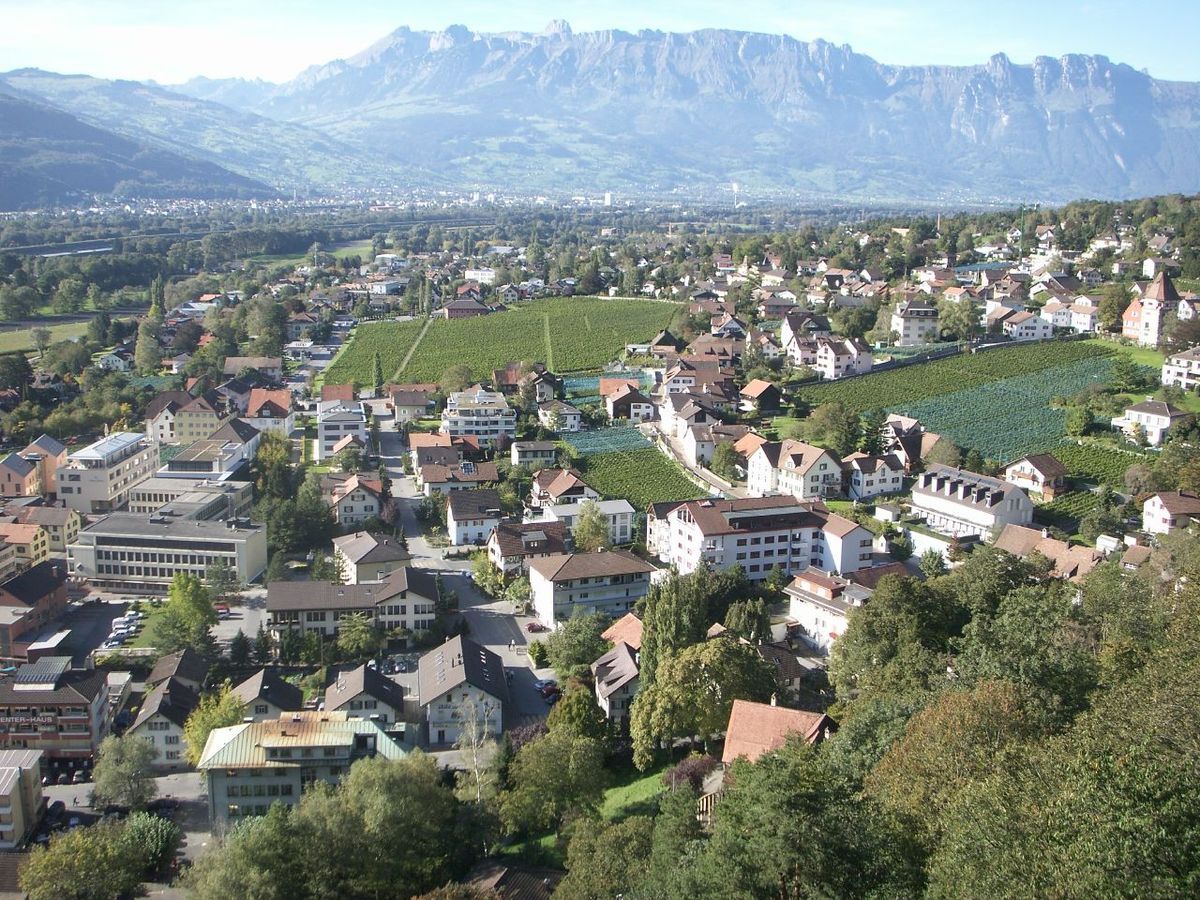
<point>161,720</point>
<point>616,677</point>
<point>560,416</point>
<point>1151,418</point>
<point>867,476</point>
<point>793,467</point>
<point>268,696</point>
<point>1169,511</point>
<point>820,604</point>
<point>610,582</point>
<point>1037,473</point>
<point>471,516</point>
<point>916,323</point>
<point>1182,369</point>
<point>1025,326</point>
<point>482,414</point>
<point>618,514</point>
<point>842,357</point>
<point>339,420</point>
<point>362,693</point>
<point>459,679</point>
<point>960,503</point>
<point>533,453</point>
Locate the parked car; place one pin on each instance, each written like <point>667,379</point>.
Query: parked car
<point>81,777</point>
<point>551,699</point>
<point>551,690</point>
<point>535,627</point>
<point>543,683</point>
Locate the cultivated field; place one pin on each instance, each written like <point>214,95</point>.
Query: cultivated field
<point>1101,465</point>
<point>569,334</point>
<point>640,476</point>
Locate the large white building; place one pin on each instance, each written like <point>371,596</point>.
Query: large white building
<point>126,551</point>
<point>339,421</point>
<point>98,478</point>
<point>795,468</point>
<point>569,584</point>
<point>961,503</point>
<point>482,414</point>
<point>758,534</point>
<point>916,323</point>
<point>617,514</point>
<point>1182,369</point>
<point>820,604</point>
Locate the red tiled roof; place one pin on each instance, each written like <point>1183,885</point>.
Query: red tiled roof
<point>758,728</point>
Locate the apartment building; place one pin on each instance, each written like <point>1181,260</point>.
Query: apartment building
<point>820,603</point>
<point>758,534</point>
<point>481,414</point>
<point>617,515</point>
<point>1182,369</point>
<point>456,678</point>
<point>362,693</point>
<point>915,322</point>
<point>512,545</point>
<point>21,800</point>
<point>867,476</point>
<point>569,584</point>
<point>404,599</point>
<point>250,766</point>
<point>161,719</point>
<point>793,467</point>
<point>98,478</point>
<point>61,523</point>
<point>30,602</point>
<point>353,498</point>
<point>961,503</point>
<point>338,421</point>
<point>48,455</point>
<point>126,551</point>
<point>363,556</point>
<point>471,516</point>
<point>842,357</point>
<point>19,477</point>
<point>30,541</point>
<point>51,707</point>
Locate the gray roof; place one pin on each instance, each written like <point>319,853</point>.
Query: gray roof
<point>267,684</point>
<point>186,663</point>
<point>235,430</point>
<point>460,660</point>
<point>615,669</point>
<point>17,463</point>
<point>365,547</point>
<point>136,524</point>
<point>172,699</point>
<point>49,445</point>
<point>474,504</point>
<point>347,685</point>
<point>301,595</point>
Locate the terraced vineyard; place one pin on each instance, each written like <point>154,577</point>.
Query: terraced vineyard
<point>571,334</point>
<point>1010,417</point>
<point>911,384</point>
<point>356,362</point>
<point>640,476</point>
<point>1066,511</point>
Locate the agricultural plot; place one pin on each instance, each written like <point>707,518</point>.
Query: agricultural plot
<point>607,440</point>
<point>640,476</point>
<point>898,387</point>
<point>1102,465</point>
<point>1066,511</point>
<point>356,362</point>
<point>571,334</point>
<point>1010,417</point>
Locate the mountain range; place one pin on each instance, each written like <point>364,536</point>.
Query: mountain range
<point>655,112</point>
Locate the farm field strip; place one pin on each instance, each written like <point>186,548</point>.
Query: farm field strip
<point>1008,418</point>
<point>1103,465</point>
<point>411,350</point>
<point>356,361</point>
<point>912,384</point>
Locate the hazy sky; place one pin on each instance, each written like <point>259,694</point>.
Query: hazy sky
<point>172,40</point>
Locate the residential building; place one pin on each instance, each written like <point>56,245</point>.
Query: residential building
<point>1146,315</point>
<point>216,459</point>
<point>629,403</point>
<point>132,552</point>
<point>30,541</point>
<point>537,381</point>
<point>1182,369</point>
<point>1025,326</point>
<point>19,477</point>
<point>960,503</point>
<point>793,467</point>
<point>98,478</point>
<point>461,476</point>
<point>628,629</point>
<point>456,678</point>
<point>268,696</point>
<point>60,523</point>
<point>559,416</point>
<point>842,357</point>
<point>534,454</point>
<point>1150,419</point>
<point>362,693</point>
<point>471,516</point>
<point>271,410</point>
<point>250,766</point>
<point>410,405</point>
<point>404,599</point>
<point>51,707</point>
<point>186,667</point>
<point>555,487</point>
<point>760,533</point>
<point>866,476</point>
<point>616,679</point>
<point>1169,511</point>
<point>610,582</point>
<point>759,396</point>
<point>269,367</point>
<point>354,498</point>
<point>700,441</point>
<point>481,414</point>
<point>915,322</point>
<point>21,802</point>
<point>29,602</point>
<point>161,719</point>
<point>1038,473</point>
<point>759,728</point>
<point>160,415</point>
<point>199,418</point>
<point>511,545</point>
<point>49,455</point>
<point>1069,562</point>
<point>337,422</point>
<point>820,604</point>
<point>363,556</point>
<point>617,514</point>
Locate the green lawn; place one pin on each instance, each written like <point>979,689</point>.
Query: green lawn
<point>1143,356</point>
<point>355,248</point>
<point>633,795</point>
<point>14,341</point>
<point>145,637</point>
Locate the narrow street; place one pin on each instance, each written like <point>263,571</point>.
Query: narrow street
<point>491,623</point>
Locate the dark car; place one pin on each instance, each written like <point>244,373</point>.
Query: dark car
<point>551,690</point>
<point>535,627</point>
<point>55,811</point>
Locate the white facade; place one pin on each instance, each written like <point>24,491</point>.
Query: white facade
<point>1163,513</point>
<point>618,514</point>
<point>794,468</point>
<point>1182,369</point>
<point>98,478</point>
<point>338,421</point>
<point>960,503</point>
<point>915,323</point>
<point>566,585</point>
<point>871,476</point>
<point>481,414</point>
